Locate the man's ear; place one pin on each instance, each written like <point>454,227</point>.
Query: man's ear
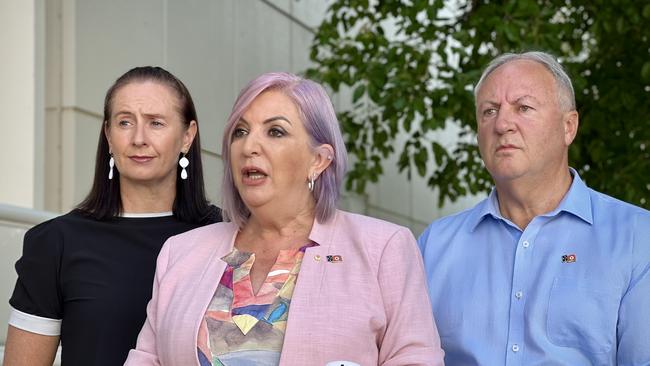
<point>570,122</point>
<point>322,159</point>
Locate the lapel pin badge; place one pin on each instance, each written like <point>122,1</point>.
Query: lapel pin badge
<point>568,258</point>
<point>334,258</point>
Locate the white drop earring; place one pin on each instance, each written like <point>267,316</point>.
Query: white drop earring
<point>111,164</point>
<point>183,162</point>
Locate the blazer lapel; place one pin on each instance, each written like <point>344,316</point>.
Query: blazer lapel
<point>308,289</point>
<point>217,246</point>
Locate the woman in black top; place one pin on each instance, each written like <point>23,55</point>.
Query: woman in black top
<point>85,277</point>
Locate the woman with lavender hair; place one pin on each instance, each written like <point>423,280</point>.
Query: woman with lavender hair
<point>289,279</point>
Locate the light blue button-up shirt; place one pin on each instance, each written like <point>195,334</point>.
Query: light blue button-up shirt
<point>573,288</point>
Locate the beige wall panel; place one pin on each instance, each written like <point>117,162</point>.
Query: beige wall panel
<point>11,240</point>
<point>111,38</point>
<point>388,216</point>
<point>21,102</point>
<point>301,39</point>
<point>53,51</point>
<point>202,56</point>
<point>212,176</point>
<point>39,103</point>
<point>353,203</point>
<point>309,12</point>
<point>262,37</point>
<point>284,5</point>
<point>53,164</point>
<point>417,228</point>
<point>461,204</point>
<point>80,132</point>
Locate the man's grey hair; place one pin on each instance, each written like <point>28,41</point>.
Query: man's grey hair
<point>566,95</point>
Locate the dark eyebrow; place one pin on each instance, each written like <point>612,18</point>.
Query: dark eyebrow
<point>269,120</point>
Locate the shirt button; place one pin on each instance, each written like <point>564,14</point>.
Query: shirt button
<point>317,258</point>
<point>519,295</point>
<point>515,348</point>
<point>525,244</point>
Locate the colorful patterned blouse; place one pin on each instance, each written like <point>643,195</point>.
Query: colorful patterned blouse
<point>240,328</point>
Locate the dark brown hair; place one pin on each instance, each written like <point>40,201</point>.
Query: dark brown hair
<point>190,204</point>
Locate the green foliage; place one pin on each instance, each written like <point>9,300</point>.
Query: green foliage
<point>411,66</point>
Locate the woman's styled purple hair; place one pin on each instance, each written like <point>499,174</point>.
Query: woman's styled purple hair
<point>320,121</point>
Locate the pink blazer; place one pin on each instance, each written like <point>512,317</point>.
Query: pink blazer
<point>370,308</point>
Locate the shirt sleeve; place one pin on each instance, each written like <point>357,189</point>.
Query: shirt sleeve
<point>35,324</point>
<point>634,318</point>
<point>411,337</point>
<point>36,300</point>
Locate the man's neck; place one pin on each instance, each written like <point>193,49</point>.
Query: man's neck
<point>520,201</point>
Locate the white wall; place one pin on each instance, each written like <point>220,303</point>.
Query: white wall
<point>21,102</point>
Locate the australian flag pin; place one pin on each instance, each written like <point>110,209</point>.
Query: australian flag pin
<point>568,258</point>
<point>334,258</point>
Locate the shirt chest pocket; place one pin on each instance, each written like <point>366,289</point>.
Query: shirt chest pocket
<point>582,315</point>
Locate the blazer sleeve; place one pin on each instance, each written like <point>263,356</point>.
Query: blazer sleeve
<point>411,337</point>
<point>146,349</point>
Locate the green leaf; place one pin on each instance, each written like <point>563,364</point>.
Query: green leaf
<point>620,25</point>
<point>646,11</point>
<point>358,92</point>
<point>645,71</point>
<point>399,103</point>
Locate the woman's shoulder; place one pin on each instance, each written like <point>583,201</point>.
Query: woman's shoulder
<point>48,235</point>
<point>56,224</point>
<point>370,234</point>
<point>380,240</point>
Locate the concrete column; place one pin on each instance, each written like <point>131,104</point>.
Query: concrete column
<point>22,102</point>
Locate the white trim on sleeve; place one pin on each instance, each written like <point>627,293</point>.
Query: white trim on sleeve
<point>35,324</point>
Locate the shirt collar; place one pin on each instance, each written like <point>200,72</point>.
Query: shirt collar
<point>577,201</point>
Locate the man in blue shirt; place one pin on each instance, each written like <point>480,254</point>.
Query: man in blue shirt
<point>545,271</point>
